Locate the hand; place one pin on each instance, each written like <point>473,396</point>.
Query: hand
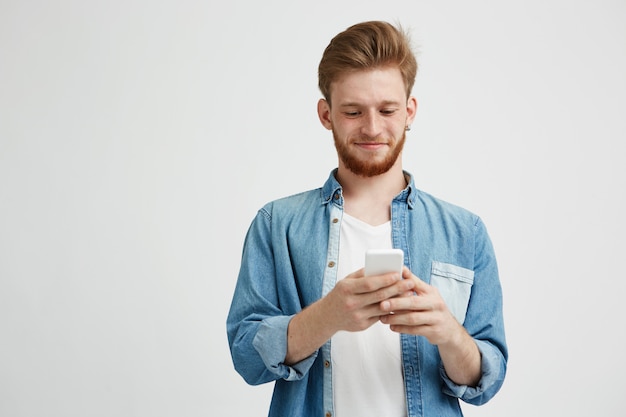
<point>421,312</point>
<point>354,303</point>
<point>424,312</point>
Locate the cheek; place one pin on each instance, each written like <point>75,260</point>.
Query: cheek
<point>398,129</point>
<point>345,128</point>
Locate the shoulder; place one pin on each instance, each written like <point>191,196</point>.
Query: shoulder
<point>292,204</point>
<point>432,206</point>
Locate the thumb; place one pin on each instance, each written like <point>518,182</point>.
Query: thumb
<point>420,286</point>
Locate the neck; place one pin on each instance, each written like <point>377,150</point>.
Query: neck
<point>369,198</point>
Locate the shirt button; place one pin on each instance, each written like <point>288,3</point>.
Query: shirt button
<point>326,364</point>
<point>335,220</point>
<point>331,264</point>
<point>337,196</point>
<point>328,414</point>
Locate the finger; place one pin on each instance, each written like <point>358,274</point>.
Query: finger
<point>359,273</point>
<point>375,298</point>
<point>408,318</point>
<point>409,323</point>
<point>414,330</point>
<point>374,283</point>
<point>420,286</point>
<point>409,301</point>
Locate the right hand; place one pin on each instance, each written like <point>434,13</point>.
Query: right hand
<point>354,303</point>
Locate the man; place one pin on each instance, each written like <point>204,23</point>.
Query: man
<point>303,314</point>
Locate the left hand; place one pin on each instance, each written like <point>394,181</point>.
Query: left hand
<point>424,312</point>
<point>421,312</point>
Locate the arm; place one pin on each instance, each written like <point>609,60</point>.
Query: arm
<point>482,322</point>
<point>272,338</point>
<point>425,313</point>
<point>257,320</point>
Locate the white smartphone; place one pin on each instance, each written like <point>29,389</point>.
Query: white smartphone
<point>381,261</point>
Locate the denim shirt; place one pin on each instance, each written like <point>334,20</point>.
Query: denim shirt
<point>289,261</point>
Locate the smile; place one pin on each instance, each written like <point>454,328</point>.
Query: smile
<point>371,146</point>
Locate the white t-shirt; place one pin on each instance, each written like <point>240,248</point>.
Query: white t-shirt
<point>367,365</point>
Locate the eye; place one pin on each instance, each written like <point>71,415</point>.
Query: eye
<point>351,113</point>
<point>388,112</point>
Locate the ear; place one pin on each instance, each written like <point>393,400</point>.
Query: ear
<point>323,112</point>
<point>411,110</point>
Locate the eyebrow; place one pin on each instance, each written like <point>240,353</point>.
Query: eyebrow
<point>356,104</point>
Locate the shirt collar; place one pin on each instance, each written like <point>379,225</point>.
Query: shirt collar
<point>332,190</point>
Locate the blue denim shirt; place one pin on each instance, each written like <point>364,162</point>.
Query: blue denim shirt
<point>290,261</point>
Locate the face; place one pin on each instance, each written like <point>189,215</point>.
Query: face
<point>368,118</point>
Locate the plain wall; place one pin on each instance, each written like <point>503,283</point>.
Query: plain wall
<point>138,139</point>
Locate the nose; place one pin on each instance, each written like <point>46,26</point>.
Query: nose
<point>372,125</point>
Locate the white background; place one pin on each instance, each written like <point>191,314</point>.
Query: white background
<point>138,138</point>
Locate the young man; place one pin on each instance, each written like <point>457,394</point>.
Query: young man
<point>338,343</point>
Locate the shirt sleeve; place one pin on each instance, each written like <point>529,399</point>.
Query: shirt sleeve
<point>257,321</point>
<point>492,376</point>
<point>485,323</point>
<point>271,344</point>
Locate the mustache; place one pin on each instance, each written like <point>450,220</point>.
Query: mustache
<point>367,139</point>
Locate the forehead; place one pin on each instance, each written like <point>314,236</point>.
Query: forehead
<point>369,86</point>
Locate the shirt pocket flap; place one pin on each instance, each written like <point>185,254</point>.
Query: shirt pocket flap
<point>455,285</point>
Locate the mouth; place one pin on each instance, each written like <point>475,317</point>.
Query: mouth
<point>370,146</point>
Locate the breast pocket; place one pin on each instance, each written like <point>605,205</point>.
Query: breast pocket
<point>455,285</point>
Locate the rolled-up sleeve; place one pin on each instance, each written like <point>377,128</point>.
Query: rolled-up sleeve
<point>493,372</point>
<point>271,344</point>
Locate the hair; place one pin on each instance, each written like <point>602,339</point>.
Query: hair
<point>363,46</point>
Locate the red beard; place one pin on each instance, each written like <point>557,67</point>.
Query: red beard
<point>368,168</point>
